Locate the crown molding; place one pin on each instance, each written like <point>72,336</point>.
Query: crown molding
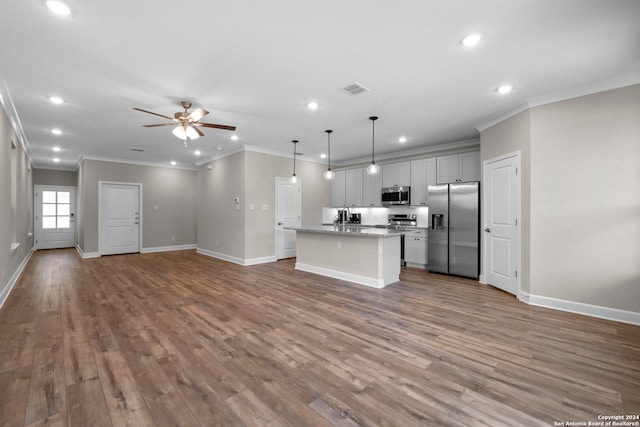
<point>131,162</point>
<point>255,149</point>
<point>563,95</point>
<point>430,149</point>
<point>12,114</point>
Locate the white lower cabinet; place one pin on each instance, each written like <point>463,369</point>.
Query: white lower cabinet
<point>415,248</point>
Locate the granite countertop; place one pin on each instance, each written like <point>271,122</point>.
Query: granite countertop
<point>348,230</point>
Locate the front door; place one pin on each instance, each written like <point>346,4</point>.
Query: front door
<point>119,218</point>
<point>55,217</point>
<point>288,207</point>
<point>501,222</point>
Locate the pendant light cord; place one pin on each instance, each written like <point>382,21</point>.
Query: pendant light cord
<point>373,138</point>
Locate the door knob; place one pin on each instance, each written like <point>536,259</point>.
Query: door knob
<point>488,230</point>
<point>279,223</point>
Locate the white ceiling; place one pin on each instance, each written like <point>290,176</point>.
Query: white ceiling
<point>255,64</point>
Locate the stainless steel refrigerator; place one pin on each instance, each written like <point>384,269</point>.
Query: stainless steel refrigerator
<point>454,230</point>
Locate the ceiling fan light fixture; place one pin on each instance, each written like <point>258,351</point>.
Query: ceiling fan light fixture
<point>192,133</point>
<point>58,8</point>
<point>180,132</point>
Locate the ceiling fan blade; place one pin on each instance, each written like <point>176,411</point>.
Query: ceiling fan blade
<point>197,115</point>
<point>161,124</point>
<point>197,130</point>
<point>213,125</point>
<point>155,114</point>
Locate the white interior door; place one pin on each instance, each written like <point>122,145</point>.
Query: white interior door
<point>119,218</point>
<point>55,217</point>
<point>502,195</point>
<point>288,207</point>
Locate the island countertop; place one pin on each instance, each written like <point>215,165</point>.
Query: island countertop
<point>349,230</point>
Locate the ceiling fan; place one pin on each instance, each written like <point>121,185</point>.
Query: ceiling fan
<point>187,123</point>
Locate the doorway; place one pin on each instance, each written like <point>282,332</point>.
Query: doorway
<point>120,218</point>
<point>501,229</point>
<point>54,225</point>
<point>288,208</point>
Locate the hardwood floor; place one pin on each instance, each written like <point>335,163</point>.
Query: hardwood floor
<point>178,338</point>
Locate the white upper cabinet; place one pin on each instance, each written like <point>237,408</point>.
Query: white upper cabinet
<point>423,174</point>
<point>371,189</point>
<point>353,187</point>
<point>463,167</point>
<point>338,192</point>
<point>396,174</point>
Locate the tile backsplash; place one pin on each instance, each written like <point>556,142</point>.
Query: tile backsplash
<point>373,216</point>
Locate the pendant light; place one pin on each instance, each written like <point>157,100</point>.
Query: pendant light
<point>329,174</point>
<point>294,179</point>
<point>373,169</point>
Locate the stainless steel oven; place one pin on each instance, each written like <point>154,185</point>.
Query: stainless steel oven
<point>402,222</point>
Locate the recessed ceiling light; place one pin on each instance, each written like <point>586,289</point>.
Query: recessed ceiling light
<point>56,149</point>
<point>323,156</point>
<point>312,105</point>
<point>197,152</point>
<point>173,163</point>
<point>55,159</point>
<point>219,148</point>
<point>56,131</point>
<point>56,100</point>
<point>402,139</point>
<point>472,39</point>
<point>505,89</point>
<point>59,8</point>
<point>234,137</point>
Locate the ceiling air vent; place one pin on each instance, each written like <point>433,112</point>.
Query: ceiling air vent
<point>139,150</point>
<point>355,88</point>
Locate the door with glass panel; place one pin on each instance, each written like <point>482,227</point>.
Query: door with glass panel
<point>55,225</point>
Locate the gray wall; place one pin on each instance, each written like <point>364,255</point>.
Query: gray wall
<point>511,135</point>
<point>15,225</point>
<point>172,190</point>
<point>55,177</point>
<point>220,225</point>
<point>250,233</point>
<point>581,196</point>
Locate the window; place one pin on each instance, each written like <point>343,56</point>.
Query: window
<point>56,209</point>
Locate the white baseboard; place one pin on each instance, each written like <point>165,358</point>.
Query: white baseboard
<point>261,260</point>
<point>167,248</point>
<point>14,278</point>
<point>361,280</point>
<point>608,313</point>
<point>235,260</point>
<point>86,255</point>
<point>482,279</point>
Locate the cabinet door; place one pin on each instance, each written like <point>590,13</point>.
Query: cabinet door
<point>418,183</point>
<point>353,187</point>
<point>389,173</point>
<point>470,166</point>
<point>448,169</point>
<point>338,189</point>
<point>396,174</point>
<point>430,176</point>
<point>371,189</point>
<point>410,248</point>
<point>403,173</point>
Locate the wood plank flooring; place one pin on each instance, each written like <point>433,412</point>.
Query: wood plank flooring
<point>178,338</point>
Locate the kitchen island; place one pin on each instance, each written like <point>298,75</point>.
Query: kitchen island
<point>364,255</point>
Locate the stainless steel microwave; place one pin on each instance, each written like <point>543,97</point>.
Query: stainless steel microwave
<point>396,196</point>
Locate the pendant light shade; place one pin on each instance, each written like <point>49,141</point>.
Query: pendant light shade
<point>294,179</point>
<point>373,169</point>
<point>329,174</point>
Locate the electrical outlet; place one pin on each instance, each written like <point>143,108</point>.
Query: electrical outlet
<point>338,245</point>
<point>216,243</point>
<point>251,206</point>
<point>173,238</point>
